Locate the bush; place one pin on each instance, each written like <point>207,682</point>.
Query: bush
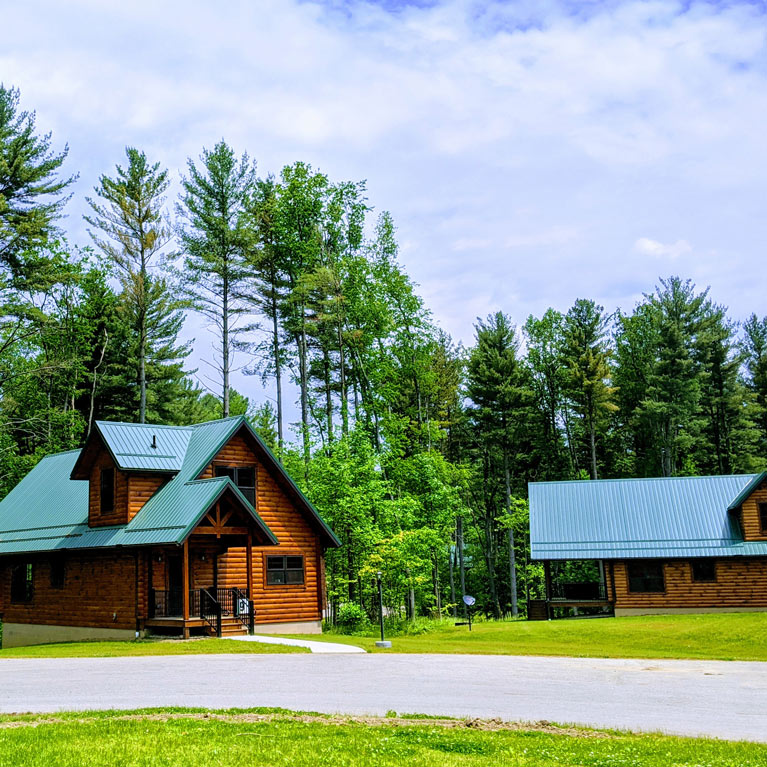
<point>351,617</point>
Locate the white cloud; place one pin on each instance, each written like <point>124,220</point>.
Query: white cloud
<point>519,146</point>
<point>670,251</point>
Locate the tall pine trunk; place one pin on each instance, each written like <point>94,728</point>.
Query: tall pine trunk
<point>512,557</point>
<point>225,345</point>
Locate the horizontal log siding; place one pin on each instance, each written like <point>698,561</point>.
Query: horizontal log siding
<point>96,587</point>
<point>739,583</point>
<point>120,514</point>
<point>141,487</point>
<point>296,536</point>
<point>749,515</point>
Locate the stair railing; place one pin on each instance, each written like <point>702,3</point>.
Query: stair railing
<point>210,611</point>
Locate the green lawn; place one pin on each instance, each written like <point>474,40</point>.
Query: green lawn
<point>723,636</point>
<point>143,647</point>
<point>274,738</point>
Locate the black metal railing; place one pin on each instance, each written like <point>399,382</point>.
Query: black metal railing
<point>591,591</point>
<point>209,604</point>
<point>244,609</point>
<point>210,610</point>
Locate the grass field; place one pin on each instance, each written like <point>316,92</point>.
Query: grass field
<point>723,636</point>
<point>143,647</point>
<point>273,737</point>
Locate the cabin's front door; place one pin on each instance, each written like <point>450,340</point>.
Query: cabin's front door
<point>175,586</point>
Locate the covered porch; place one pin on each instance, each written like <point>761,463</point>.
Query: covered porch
<point>185,595</point>
<point>579,587</point>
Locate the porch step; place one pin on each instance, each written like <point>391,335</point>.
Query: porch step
<point>230,626</point>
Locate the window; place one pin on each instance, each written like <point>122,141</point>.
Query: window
<point>282,570</point>
<point>703,570</point>
<point>58,573</point>
<point>242,476</point>
<point>107,491</point>
<point>21,583</point>
<point>763,517</point>
<point>646,577</point>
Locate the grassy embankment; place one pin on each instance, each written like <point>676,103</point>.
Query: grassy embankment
<point>723,636</point>
<point>274,738</point>
<point>143,647</point>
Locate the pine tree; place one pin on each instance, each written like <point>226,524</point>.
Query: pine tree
<point>130,227</point>
<point>215,238</point>
<point>31,194</point>
<point>586,357</point>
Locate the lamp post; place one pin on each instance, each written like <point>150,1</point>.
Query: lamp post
<point>382,643</point>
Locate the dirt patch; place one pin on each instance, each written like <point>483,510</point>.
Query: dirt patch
<point>491,725</point>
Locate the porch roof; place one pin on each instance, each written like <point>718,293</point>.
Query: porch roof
<point>639,518</point>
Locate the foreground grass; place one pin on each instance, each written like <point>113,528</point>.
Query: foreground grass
<point>724,636</point>
<point>144,647</point>
<point>274,737</point>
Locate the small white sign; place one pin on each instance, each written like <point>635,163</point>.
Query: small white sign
<point>242,607</point>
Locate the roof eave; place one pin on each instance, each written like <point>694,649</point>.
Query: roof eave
<point>747,490</point>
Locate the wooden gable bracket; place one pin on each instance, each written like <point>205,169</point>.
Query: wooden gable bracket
<point>217,525</point>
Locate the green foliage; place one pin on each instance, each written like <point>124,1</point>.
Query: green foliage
<point>351,618</point>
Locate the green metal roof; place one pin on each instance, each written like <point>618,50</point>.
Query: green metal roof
<point>640,518</point>
<point>48,510</point>
<point>131,445</point>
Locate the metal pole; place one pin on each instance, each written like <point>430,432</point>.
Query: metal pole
<point>380,607</point>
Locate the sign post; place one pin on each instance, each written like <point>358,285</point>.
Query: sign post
<point>468,600</point>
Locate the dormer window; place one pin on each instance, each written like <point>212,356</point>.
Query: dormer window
<point>763,517</point>
<point>107,496</point>
<point>242,476</point>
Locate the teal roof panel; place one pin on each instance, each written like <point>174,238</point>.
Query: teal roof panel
<point>145,447</point>
<point>638,518</point>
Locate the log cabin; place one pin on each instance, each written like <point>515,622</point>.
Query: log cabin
<point>668,545</point>
<point>160,529</point>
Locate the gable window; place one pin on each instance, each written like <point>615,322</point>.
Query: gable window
<point>107,503</point>
<point>646,577</point>
<point>703,570</point>
<point>22,583</point>
<point>242,476</point>
<point>763,517</point>
<point>282,570</point>
<point>58,573</point>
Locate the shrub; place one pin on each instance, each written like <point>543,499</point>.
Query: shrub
<point>351,617</point>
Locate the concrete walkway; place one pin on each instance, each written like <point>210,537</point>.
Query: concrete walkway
<point>318,647</point>
<point>718,699</point>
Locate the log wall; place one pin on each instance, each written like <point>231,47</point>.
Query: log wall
<point>294,602</point>
<point>119,516</point>
<point>141,487</point>
<point>740,582</point>
<point>749,514</point>
<point>99,590</point>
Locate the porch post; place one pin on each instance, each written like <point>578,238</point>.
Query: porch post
<point>547,576</point>
<point>249,562</point>
<point>185,593</point>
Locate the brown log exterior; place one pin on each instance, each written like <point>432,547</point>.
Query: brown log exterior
<point>740,583</point>
<point>141,487</point>
<point>749,515</point>
<point>274,604</point>
<point>119,515</point>
<point>101,590</point>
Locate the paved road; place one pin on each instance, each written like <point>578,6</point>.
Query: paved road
<point>725,700</point>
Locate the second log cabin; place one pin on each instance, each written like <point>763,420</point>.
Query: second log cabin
<point>149,528</point>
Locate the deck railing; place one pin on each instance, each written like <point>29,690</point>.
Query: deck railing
<point>209,604</point>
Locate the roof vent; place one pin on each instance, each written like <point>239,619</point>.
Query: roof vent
<point>154,442</point>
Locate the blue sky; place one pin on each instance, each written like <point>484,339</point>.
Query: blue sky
<point>530,152</point>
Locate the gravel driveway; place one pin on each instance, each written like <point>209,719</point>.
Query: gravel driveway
<point>719,699</point>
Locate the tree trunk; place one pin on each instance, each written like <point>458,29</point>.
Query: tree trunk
<point>277,364</point>
<point>512,558</point>
<point>461,565</point>
<point>225,345</point>
<point>593,441</point>
<point>451,558</point>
